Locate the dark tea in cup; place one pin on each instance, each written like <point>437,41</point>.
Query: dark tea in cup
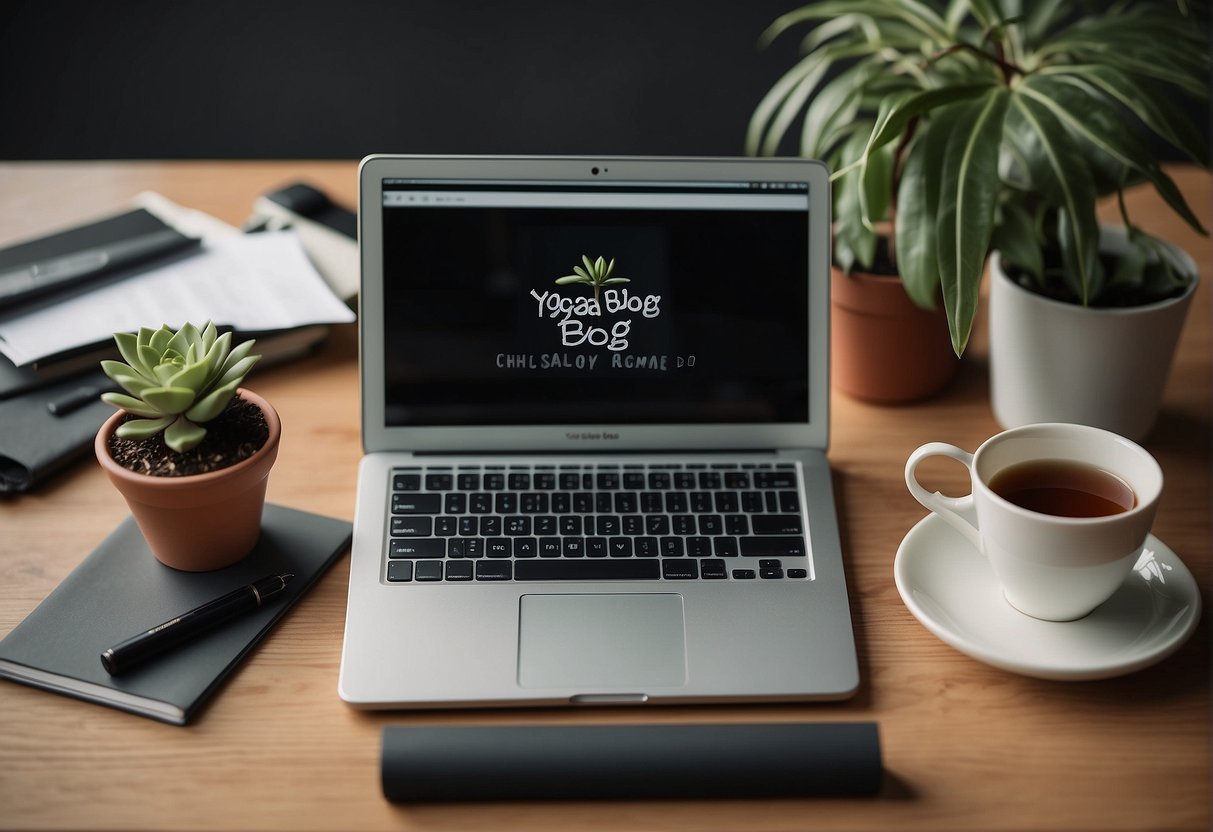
<point>1063,488</point>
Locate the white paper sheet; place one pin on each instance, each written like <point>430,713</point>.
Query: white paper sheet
<point>250,282</point>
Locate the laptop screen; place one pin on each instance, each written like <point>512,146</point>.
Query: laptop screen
<point>549,302</point>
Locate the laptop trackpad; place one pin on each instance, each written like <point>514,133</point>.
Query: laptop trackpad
<point>593,642</point>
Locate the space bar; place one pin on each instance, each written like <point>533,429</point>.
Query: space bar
<point>586,570</point>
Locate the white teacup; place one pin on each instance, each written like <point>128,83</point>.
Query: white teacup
<point>1054,567</point>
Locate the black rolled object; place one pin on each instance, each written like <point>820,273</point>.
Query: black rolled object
<point>586,762</point>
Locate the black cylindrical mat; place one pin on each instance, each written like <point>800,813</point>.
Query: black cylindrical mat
<point>586,762</point>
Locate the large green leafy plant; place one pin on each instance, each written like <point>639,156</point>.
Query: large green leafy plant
<point>994,124</point>
<point>176,381</point>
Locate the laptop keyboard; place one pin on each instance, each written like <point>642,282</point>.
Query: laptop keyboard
<point>596,522</point>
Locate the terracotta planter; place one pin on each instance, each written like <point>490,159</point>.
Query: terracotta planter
<point>1060,362</point>
<point>883,348</point>
<point>200,522</point>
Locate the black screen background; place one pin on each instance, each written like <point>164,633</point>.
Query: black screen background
<point>457,283</point>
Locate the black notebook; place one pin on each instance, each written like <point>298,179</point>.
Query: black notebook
<point>120,589</point>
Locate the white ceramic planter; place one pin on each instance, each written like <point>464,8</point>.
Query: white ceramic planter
<point>1058,362</point>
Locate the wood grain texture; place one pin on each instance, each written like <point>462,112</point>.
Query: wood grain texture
<point>967,747</point>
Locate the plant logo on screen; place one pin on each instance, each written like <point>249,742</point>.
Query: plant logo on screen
<point>579,319</point>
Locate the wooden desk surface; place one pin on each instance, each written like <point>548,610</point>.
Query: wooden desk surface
<point>966,746</point>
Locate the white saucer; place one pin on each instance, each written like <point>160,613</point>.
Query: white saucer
<point>949,587</point>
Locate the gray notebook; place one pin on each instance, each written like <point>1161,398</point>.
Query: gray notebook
<point>120,589</point>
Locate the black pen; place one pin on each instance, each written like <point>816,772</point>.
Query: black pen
<point>138,648</point>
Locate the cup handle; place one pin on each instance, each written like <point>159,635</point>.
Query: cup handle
<point>948,508</point>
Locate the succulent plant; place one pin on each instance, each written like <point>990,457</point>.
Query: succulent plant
<point>597,273</point>
<point>176,381</point>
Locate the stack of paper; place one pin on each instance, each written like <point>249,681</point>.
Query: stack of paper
<point>252,283</point>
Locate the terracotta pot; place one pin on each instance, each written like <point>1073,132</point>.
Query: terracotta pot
<point>883,348</point>
<point>204,521</point>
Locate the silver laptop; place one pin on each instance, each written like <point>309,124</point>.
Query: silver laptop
<point>594,407</point>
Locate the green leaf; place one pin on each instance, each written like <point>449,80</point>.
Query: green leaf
<point>131,381</point>
<point>854,242</point>
<point>209,336</point>
<point>192,376</point>
<point>149,357</point>
<point>968,197</point>
<point>213,404</point>
<point>128,348</point>
<point>236,373</point>
<point>570,279</point>
<point>1060,172</point>
<point>1094,120</point>
<point>613,281</point>
<point>169,399</point>
<point>913,13</point>
<point>160,339</point>
<point>1158,114</point>
<point>182,435</point>
<point>834,107</point>
<point>917,204</point>
<point>233,358</point>
<point>899,114</point>
<point>136,407</point>
<point>1016,239</point>
<point>1042,15</point>
<point>142,428</point>
<point>876,186</point>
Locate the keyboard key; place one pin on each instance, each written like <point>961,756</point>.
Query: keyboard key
<point>737,480</point>
<point>517,525</point>
<point>770,573</point>
<point>711,524</point>
<point>495,570</point>
<point>468,526</point>
<point>712,569</point>
<point>519,482</point>
<point>408,503</point>
<point>772,546</point>
<point>736,524</point>
<point>428,570</point>
<point>608,481</point>
<point>439,482</point>
<point>545,524</point>
<point>490,526</point>
<point>412,526</point>
<point>699,547</point>
<point>743,574</point>
<point>798,573</point>
<point>446,526</point>
<point>498,547</point>
<point>679,570</point>
<point>776,524</point>
<point>526,547</point>
<point>455,503</point>
<point>774,479</point>
<point>684,480</point>
<point>633,524</point>
<point>533,503</point>
<point>400,571</point>
<point>468,482</point>
<point>672,547</point>
<point>620,547</point>
<point>645,547</point>
<point>544,481</point>
<point>573,547</point>
<point>709,480</point>
<point>406,482</point>
<point>659,480</point>
<point>459,570</point>
<point>425,547</point>
<point>633,480</point>
<point>494,482</point>
<point>570,525</point>
<point>480,503</point>
<point>549,547</point>
<point>724,547</point>
<point>506,503</point>
<point>586,570</point>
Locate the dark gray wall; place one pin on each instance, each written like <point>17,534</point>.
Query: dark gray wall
<point>272,79</point>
